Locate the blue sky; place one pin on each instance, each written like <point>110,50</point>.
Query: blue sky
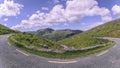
<point>30,15</point>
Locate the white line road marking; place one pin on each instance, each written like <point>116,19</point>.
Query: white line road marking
<point>102,53</point>
<point>59,62</point>
<point>22,52</point>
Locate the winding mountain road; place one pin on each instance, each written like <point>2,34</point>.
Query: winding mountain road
<point>11,57</point>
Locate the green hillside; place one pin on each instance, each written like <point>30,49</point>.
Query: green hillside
<point>5,30</point>
<point>110,29</point>
<point>42,32</point>
<point>61,34</point>
<point>55,35</point>
<point>33,41</point>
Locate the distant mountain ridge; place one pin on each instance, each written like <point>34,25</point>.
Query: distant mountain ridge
<point>55,35</point>
<point>42,32</point>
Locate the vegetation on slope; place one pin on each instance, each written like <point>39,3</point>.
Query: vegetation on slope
<point>30,40</point>
<point>42,32</point>
<point>67,54</point>
<point>5,30</point>
<point>61,34</point>
<point>110,29</point>
<point>55,35</point>
<point>88,38</point>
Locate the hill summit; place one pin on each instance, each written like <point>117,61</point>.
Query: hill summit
<point>55,35</point>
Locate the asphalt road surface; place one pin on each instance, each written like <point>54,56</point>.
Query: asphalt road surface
<point>11,57</point>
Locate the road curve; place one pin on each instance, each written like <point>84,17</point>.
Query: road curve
<point>11,57</point>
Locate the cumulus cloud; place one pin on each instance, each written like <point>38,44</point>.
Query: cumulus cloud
<point>74,11</point>
<point>116,10</point>
<point>5,19</point>
<point>78,9</point>
<point>5,24</point>
<point>45,8</point>
<point>39,19</point>
<point>10,8</point>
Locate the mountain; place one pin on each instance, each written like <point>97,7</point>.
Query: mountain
<point>55,35</point>
<point>61,34</point>
<point>5,30</point>
<point>87,38</point>
<point>42,32</point>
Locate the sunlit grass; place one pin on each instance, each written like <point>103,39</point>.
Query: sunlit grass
<point>87,38</point>
<point>65,55</point>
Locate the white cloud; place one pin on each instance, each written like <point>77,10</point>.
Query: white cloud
<point>5,24</point>
<point>66,24</point>
<point>116,10</point>
<point>10,8</point>
<point>5,19</point>
<point>74,11</point>
<point>40,19</point>
<point>56,15</point>
<point>34,21</point>
<point>45,8</point>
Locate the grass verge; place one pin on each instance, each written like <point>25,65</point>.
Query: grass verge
<point>65,55</point>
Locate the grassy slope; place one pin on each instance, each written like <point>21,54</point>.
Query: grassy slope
<point>110,29</point>
<point>33,40</point>
<point>55,35</point>
<point>65,55</point>
<point>5,30</point>
<point>58,35</point>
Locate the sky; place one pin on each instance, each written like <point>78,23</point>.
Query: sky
<point>31,15</point>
